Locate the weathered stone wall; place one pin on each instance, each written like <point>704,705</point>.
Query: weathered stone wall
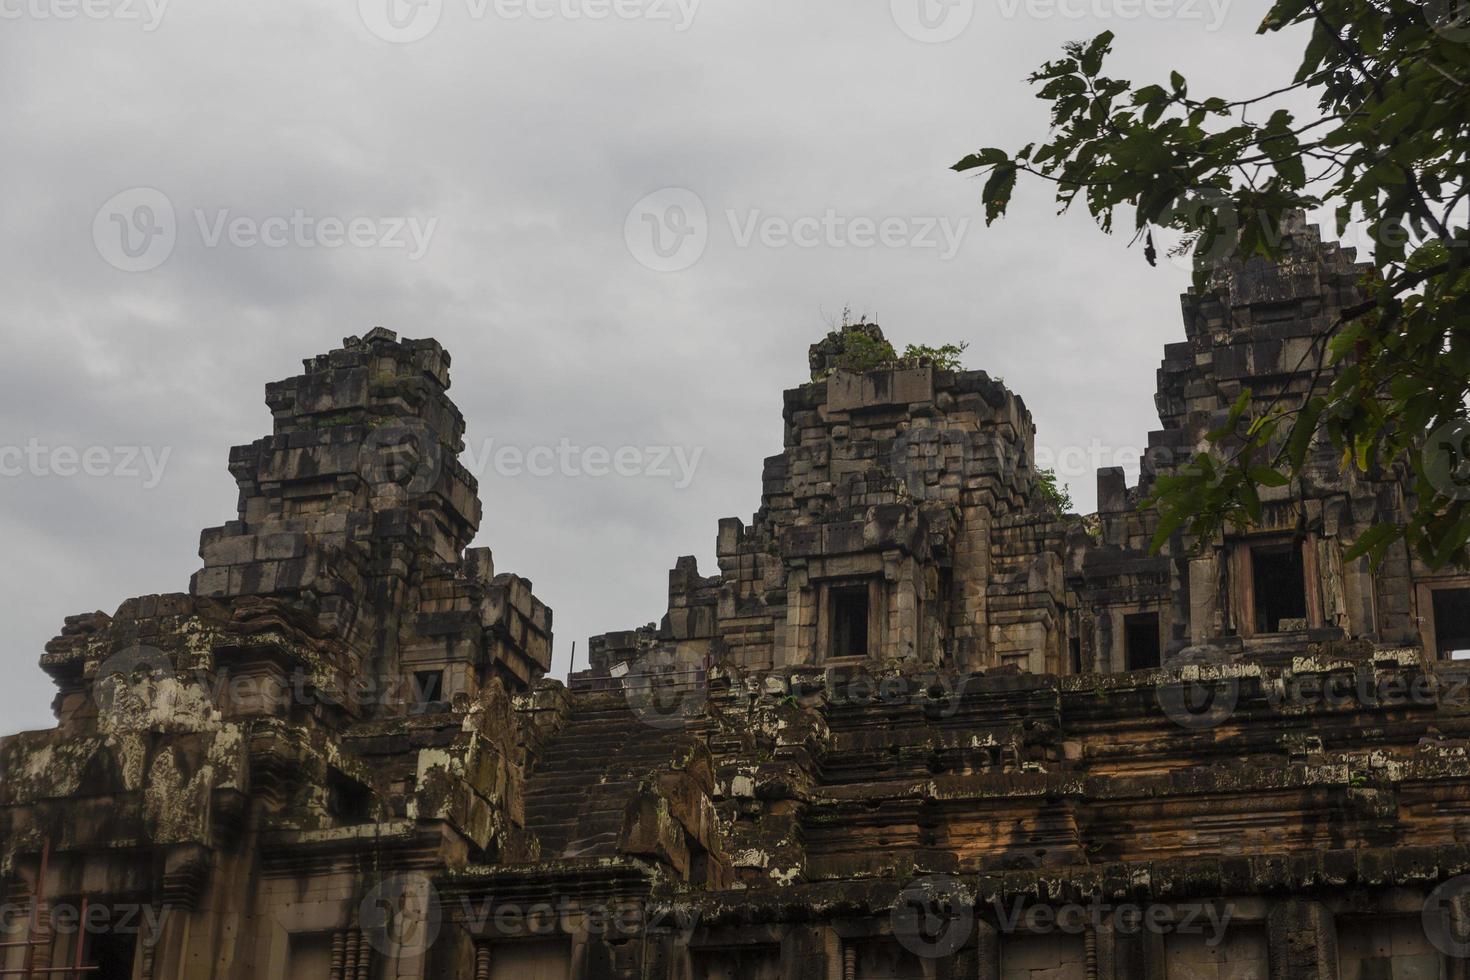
<point>896,736</point>
<point>918,485</point>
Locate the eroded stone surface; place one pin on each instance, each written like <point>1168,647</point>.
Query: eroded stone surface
<point>896,734</point>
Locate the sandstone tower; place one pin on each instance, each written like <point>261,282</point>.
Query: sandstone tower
<point>919,724</point>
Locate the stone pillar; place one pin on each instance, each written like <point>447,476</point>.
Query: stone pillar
<point>482,963</point>
<point>39,955</point>
<point>808,953</point>
<point>364,957</point>
<point>987,951</point>
<point>1458,967</point>
<point>1127,951</point>
<point>349,958</point>
<point>1302,941</point>
<point>339,956</point>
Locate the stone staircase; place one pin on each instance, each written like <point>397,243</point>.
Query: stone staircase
<point>578,791</point>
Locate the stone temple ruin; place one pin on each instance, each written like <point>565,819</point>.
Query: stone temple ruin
<point>919,724</point>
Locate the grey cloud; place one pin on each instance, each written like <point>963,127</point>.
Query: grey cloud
<point>529,141</point>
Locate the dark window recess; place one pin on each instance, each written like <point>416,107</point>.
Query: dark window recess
<point>1141,640</point>
<point>1279,582</point>
<point>349,801</point>
<point>428,686</point>
<point>850,621</point>
<point>1076,648</point>
<point>112,953</point>
<point>1452,623</point>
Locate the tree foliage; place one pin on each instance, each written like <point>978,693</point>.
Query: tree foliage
<point>1058,495</point>
<point>861,351</point>
<point>1386,146</point>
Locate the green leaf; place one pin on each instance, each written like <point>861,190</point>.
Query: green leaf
<point>1374,541</point>
<point>1267,477</point>
<point>997,192</point>
<point>988,157</point>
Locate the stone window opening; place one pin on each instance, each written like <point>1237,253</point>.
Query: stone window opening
<point>1279,588</point>
<point>349,801</point>
<point>1074,646</point>
<point>110,955</point>
<point>1141,645</point>
<point>1452,623</point>
<point>849,605</point>
<point>428,688</point>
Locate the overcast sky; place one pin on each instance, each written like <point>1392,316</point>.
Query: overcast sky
<point>512,163</point>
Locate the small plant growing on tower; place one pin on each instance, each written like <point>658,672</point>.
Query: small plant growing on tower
<point>864,352</point>
<point>858,350</point>
<point>945,357</point>
<point>1053,492</point>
